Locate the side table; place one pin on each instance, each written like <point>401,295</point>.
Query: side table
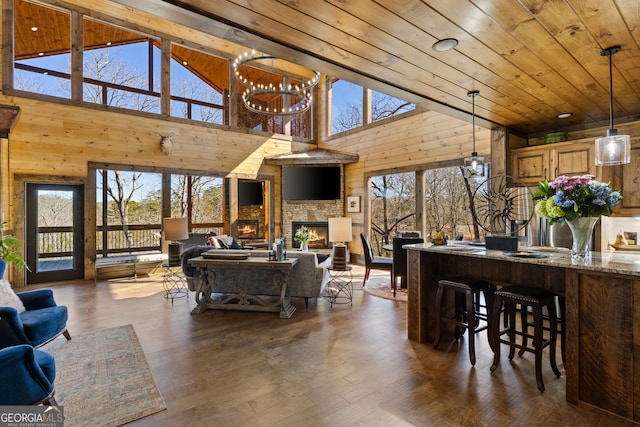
<point>174,282</point>
<point>339,288</point>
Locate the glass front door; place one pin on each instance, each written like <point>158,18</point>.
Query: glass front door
<point>54,232</point>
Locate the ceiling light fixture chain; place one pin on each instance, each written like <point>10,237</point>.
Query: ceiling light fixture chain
<point>301,93</point>
<point>612,149</point>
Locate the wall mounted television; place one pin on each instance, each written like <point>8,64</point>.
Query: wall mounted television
<point>250,193</point>
<point>311,182</point>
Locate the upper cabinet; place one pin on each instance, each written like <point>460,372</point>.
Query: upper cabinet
<point>534,164</point>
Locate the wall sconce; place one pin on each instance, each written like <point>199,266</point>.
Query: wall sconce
<point>339,235</point>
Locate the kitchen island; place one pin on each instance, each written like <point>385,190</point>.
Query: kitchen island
<point>602,323</point>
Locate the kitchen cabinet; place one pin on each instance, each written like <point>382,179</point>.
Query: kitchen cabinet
<point>626,178</point>
<point>534,164</point>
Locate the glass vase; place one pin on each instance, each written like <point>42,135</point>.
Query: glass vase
<point>582,232</point>
<point>304,246</point>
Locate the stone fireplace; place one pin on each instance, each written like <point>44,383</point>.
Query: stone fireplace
<point>319,230</point>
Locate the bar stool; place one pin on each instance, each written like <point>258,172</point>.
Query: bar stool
<point>525,297</point>
<point>560,316</point>
<point>468,308</point>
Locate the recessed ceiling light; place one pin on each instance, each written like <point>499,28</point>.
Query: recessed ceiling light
<point>564,115</point>
<point>108,43</point>
<point>40,53</point>
<point>444,45</point>
<point>34,28</point>
<point>184,62</point>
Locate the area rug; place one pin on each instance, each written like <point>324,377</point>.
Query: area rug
<point>384,290</point>
<point>103,378</point>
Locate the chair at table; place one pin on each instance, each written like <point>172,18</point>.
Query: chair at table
<point>373,262</point>
<point>42,321</point>
<point>400,260</point>
<point>26,376</point>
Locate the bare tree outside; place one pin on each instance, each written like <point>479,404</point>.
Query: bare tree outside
<point>206,198</point>
<point>192,88</point>
<point>392,206</point>
<point>104,66</point>
<point>448,205</point>
<point>121,190</point>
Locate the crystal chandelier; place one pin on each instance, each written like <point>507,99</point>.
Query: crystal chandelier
<point>296,94</point>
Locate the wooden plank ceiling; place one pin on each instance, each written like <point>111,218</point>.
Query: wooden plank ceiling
<point>530,59</point>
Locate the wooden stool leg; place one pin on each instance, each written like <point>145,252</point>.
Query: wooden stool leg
<point>488,299</point>
<point>537,344</point>
<point>524,320</point>
<point>495,331</point>
<point>440,299</point>
<point>511,309</point>
<point>471,322</point>
<point>553,336</point>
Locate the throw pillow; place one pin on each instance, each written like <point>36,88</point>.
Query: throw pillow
<point>8,297</point>
<point>228,242</point>
<point>321,257</point>
<point>213,241</point>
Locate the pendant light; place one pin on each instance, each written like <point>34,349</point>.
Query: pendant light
<point>612,149</point>
<point>475,163</point>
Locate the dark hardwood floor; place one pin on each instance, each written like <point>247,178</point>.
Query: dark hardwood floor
<point>346,366</point>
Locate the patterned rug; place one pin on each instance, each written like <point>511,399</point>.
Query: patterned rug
<point>103,378</point>
<point>384,290</point>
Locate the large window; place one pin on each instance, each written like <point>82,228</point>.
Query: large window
<point>128,211</point>
<point>199,198</point>
<point>447,205</point>
<point>198,85</point>
<point>42,50</point>
<point>119,68</point>
<point>348,106</point>
<point>393,206</point>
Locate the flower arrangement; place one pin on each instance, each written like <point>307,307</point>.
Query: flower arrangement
<point>303,234</point>
<point>567,198</point>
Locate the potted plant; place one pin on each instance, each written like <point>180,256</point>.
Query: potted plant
<point>303,234</point>
<point>10,250</point>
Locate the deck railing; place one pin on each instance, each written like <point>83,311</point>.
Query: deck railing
<point>56,242</point>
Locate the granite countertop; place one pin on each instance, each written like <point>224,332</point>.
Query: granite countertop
<point>607,262</point>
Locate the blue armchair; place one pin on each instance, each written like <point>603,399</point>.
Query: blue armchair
<point>26,376</point>
<point>42,321</point>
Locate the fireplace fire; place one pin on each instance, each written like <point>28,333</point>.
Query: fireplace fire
<point>248,228</point>
<point>319,231</point>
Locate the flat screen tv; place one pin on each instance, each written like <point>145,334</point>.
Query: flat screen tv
<point>311,182</point>
<point>250,193</point>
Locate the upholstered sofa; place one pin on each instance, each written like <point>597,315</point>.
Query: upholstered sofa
<point>307,279</point>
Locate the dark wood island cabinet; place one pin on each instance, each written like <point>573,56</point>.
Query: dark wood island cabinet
<point>602,321</point>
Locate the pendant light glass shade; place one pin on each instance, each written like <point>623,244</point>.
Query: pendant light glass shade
<point>475,163</point>
<point>612,149</point>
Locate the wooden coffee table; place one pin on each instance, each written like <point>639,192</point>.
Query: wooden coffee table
<point>242,284</point>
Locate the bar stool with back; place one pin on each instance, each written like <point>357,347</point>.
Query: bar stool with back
<point>468,309</point>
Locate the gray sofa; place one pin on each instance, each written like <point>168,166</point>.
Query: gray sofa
<point>307,279</point>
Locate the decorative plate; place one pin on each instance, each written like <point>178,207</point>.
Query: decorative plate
<point>521,254</point>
